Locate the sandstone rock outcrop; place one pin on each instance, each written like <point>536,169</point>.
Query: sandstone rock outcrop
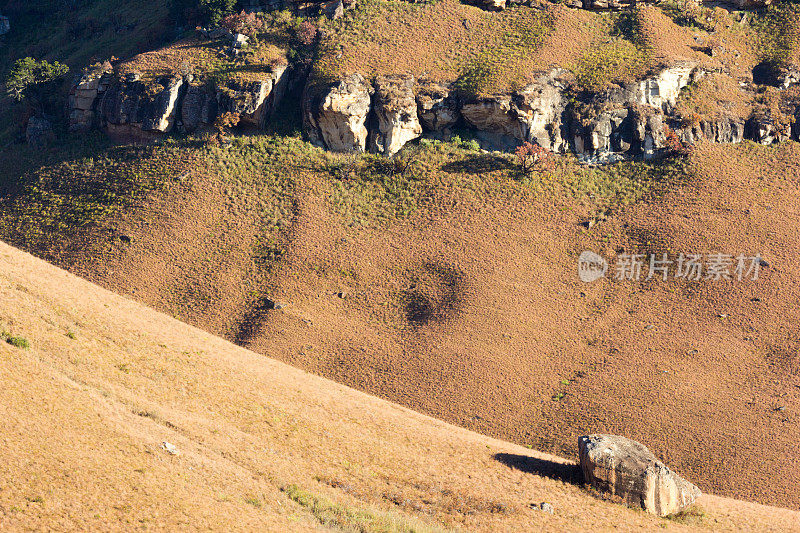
<point>437,107</point>
<point>256,100</point>
<point>132,105</point>
<point>395,114</point>
<point>532,114</point>
<point>723,130</point>
<point>627,469</point>
<point>138,105</point>
<point>199,108</point>
<point>335,116</point>
<point>84,96</point>
<point>662,90</point>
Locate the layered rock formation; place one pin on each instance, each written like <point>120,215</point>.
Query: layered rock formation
<point>335,116</point>
<point>395,114</point>
<point>133,106</point>
<point>627,469</point>
<point>631,121</point>
<point>352,114</point>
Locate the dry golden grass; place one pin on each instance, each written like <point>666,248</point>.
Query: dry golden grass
<point>201,57</point>
<point>448,40</point>
<point>261,446</point>
<point>715,96</point>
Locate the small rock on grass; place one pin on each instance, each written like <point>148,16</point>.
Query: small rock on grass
<point>171,448</point>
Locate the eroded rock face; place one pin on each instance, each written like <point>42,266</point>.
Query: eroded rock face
<point>395,112</point>
<point>662,90</point>
<point>764,129</point>
<point>199,108</point>
<point>336,116</point>
<point>789,76</point>
<point>717,131</point>
<point>254,101</point>
<point>540,108</point>
<point>84,96</point>
<point>437,107</point>
<point>627,469</point>
<point>535,114</point>
<point>137,105</point>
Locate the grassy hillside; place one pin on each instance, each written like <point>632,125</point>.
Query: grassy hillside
<point>443,280</point>
<point>256,444</point>
<point>451,288</point>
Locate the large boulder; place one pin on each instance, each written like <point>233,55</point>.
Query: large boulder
<point>335,115</point>
<point>395,112</point>
<point>626,468</point>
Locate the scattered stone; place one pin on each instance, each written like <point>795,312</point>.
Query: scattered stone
<point>240,40</point>
<point>341,294</point>
<point>626,468</point>
<point>170,448</point>
<point>547,508</point>
<point>271,304</point>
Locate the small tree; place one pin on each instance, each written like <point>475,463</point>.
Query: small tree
<point>533,157</point>
<point>29,77</point>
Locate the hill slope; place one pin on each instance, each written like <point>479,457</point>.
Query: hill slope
<point>106,381</point>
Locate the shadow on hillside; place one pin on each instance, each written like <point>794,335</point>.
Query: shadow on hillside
<point>477,164</point>
<point>568,473</point>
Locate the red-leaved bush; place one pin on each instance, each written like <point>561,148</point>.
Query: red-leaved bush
<point>244,23</point>
<point>533,157</point>
<point>306,32</point>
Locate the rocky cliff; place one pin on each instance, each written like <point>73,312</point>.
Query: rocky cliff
<point>631,121</point>
<point>132,106</point>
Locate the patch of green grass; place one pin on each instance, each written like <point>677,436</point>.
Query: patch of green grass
<point>778,28</point>
<point>19,342</point>
<point>499,66</point>
<point>609,186</point>
<point>55,196</point>
<point>369,189</point>
<point>335,515</point>
<point>625,57</point>
<point>255,501</point>
<point>691,516</point>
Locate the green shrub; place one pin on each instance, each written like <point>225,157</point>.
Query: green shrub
<point>778,28</point>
